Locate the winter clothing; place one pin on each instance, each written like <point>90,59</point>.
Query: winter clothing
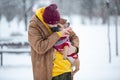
<point>41,40</point>
<point>51,14</point>
<point>60,65</point>
<point>65,76</point>
<point>61,43</point>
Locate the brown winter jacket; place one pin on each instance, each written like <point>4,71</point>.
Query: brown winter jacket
<point>41,42</point>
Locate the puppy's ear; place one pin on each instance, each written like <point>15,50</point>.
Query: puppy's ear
<point>63,21</point>
<point>66,24</point>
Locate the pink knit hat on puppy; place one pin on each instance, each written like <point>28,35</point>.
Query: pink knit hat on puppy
<point>51,14</point>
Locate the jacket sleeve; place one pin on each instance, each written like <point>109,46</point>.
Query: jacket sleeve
<point>75,41</point>
<point>37,42</point>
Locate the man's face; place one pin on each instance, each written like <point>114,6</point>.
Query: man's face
<point>54,28</point>
<point>54,25</point>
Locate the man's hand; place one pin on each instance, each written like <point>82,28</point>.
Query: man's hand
<point>66,31</point>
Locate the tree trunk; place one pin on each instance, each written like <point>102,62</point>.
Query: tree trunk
<point>25,14</point>
<point>108,34</point>
<point>116,25</point>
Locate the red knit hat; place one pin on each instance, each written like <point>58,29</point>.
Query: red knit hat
<point>51,14</point>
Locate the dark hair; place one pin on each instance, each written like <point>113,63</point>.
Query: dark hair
<point>55,29</point>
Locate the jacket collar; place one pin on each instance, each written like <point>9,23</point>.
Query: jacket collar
<point>39,14</point>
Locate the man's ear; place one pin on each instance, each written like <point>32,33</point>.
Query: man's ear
<point>63,21</point>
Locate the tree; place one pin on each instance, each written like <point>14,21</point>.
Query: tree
<point>116,23</point>
<point>88,7</point>
<point>16,8</point>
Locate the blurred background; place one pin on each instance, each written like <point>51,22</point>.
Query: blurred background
<point>96,22</point>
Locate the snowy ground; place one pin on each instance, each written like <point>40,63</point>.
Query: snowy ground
<point>16,67</point>
<point>93,55</point>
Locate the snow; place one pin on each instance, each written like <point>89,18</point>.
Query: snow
<point>8,28</point>
<point>16,67</point>
<point>94,56</point>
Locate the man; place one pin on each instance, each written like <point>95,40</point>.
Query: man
<point>42,40</point>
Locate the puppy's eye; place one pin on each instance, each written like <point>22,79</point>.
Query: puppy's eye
<point>58,26</point>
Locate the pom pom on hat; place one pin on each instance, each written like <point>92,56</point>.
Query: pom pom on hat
<point>51,14</point>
